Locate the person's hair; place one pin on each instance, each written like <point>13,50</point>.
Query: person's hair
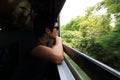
<point>41,22</point>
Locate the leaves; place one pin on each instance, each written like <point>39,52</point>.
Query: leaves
<point>93,35</point>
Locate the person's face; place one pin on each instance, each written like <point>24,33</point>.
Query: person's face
<point>15,11</point>
<point>54,33</point>
<point>21,12</point>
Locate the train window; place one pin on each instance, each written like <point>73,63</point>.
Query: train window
<point>94,31</point>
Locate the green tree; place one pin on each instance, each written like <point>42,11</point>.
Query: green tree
<point>70,38</point>
<point>93,35</point>
<point>73,25</point>
<point>93,27</point>
<point>111,41</point>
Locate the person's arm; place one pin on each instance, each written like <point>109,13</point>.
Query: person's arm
<point>54,54</point>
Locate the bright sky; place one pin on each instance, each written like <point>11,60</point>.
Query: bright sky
<point>73,8</point>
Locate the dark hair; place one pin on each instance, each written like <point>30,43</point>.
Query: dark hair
<point>41,22</point>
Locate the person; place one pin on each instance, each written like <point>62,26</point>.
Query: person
<point>33,58</point>
<point>15,15</point>
<point>45,33</point>
<point>40,53</point>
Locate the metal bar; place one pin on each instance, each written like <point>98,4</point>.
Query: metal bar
<point>74,73</point>
<point>64,72</point>
<point>93,68</point>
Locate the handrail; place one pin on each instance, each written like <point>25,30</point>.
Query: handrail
<point>64,72</point>
<point>93,68</point>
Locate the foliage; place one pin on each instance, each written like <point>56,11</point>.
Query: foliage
<point>113,6</point>
<point>70,37</point>
<point>112,41</point>
<point>93,35</point>
<point>95,26</point>
<point>73,25</point>
<point>110,44</point>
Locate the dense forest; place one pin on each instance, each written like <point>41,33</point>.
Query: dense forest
<point>93,35</point>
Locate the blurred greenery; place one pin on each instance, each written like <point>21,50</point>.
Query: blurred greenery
<point>93,35</point>
<point>77,69</point>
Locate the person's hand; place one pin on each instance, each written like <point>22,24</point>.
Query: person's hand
<point>58,40</point>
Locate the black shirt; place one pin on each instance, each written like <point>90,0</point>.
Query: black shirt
<point>30,67</point>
